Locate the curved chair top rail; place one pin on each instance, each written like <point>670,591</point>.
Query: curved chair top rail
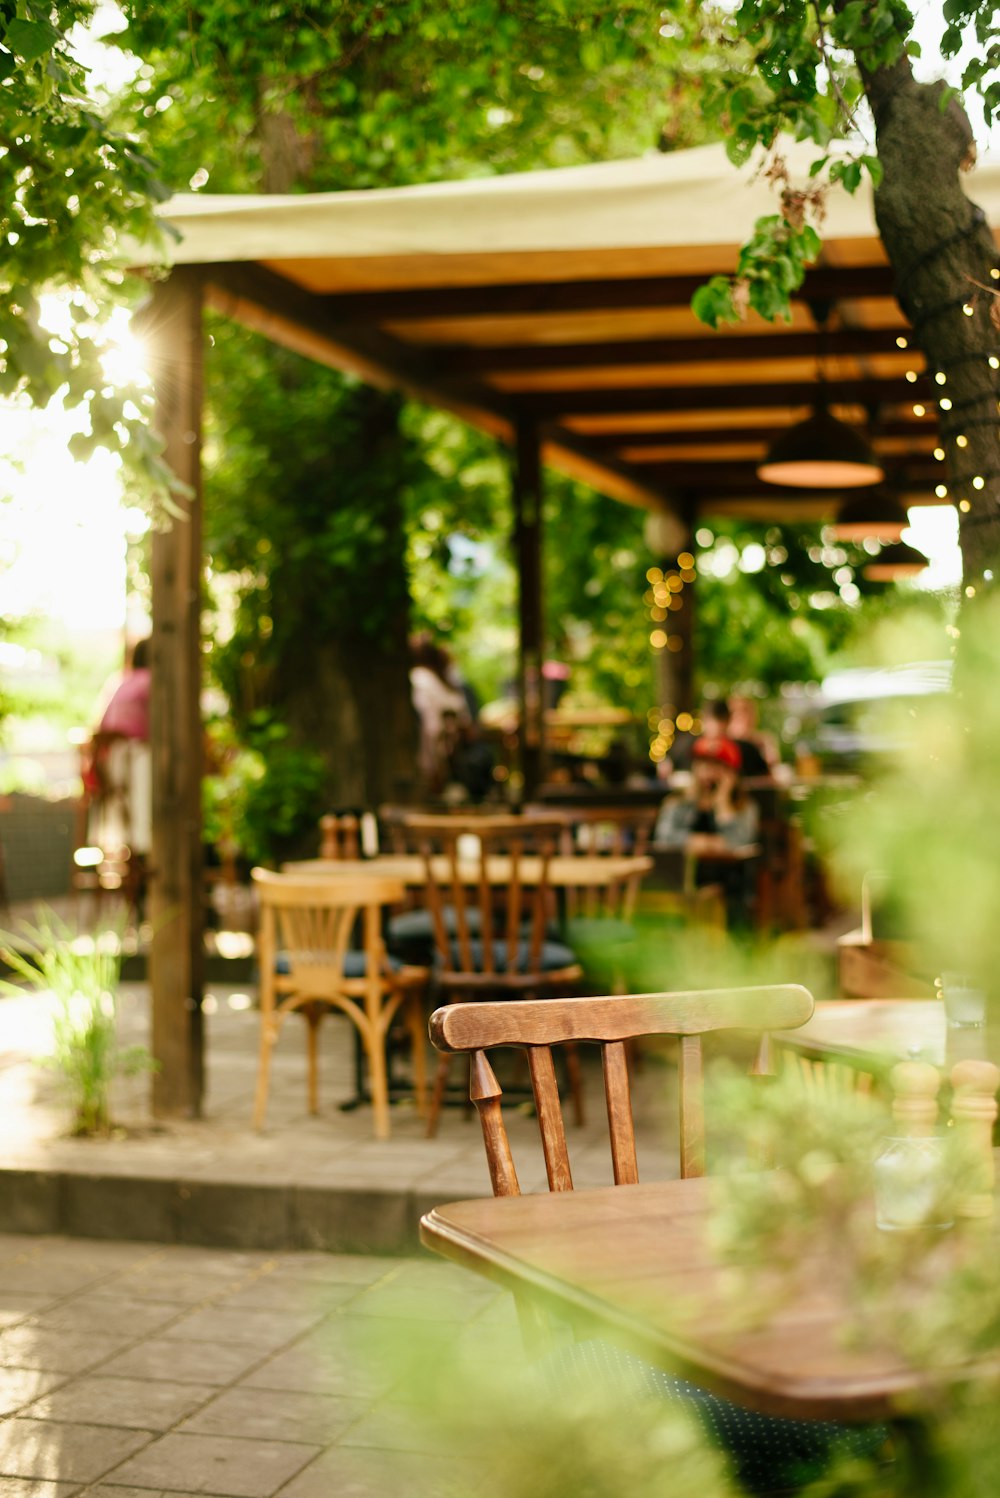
<point>478,1026</point>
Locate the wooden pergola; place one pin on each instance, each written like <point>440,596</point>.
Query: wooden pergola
<point>552,310</point>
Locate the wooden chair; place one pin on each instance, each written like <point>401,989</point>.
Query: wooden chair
<point>759,1445</point>
<point>596,920</point>
<point>306,965</point>
<point>612,1022</point>
<point>491,933</point>
<point>609,831</point>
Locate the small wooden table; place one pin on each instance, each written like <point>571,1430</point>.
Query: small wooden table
<point>634,1263</point>
<point>581,869</point>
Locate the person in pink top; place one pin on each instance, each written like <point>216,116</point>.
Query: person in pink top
<point>118,777</point>
<point>127,713</point>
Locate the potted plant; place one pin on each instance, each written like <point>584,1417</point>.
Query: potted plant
<point>79,973</point>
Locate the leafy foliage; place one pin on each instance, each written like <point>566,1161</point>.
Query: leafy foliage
<point>73,189</point>
<point>797,70</point>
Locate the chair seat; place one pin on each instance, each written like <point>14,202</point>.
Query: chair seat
<point>767,1452</point>
<point>355,964</point>
<point>554,955</point>
<point>412,924</point>
<point>598,931</point>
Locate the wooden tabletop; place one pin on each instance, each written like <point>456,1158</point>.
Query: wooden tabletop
<point>571,872</point>
<point>634,1263</point>
<point>873,1034</point>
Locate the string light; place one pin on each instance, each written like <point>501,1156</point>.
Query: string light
<point>911,375</point>
<point>920,410</point>
<point>961,440</point>
<point>941,490</point>
<point>940,378</point>
<point>978,482</point>
<point>964,506</point>
<point>939,454</point>
<point>968,308</point>
<point>902,342</point>
<point>685,561</point>
<point>945,404</point>
<point>993,362</point>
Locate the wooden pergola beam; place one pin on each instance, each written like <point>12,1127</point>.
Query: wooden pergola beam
<point>714,348</point>
<point>640,399</point>
<point>711,438</point>
<point>825,283</point>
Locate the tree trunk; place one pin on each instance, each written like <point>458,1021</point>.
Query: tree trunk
<point>942,251</point>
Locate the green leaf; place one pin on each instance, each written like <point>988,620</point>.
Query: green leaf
<point>30,40</point>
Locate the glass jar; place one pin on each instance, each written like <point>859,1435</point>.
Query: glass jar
<point>911,1184</point>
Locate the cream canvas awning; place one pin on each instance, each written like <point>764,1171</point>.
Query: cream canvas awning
<point>561,298</point>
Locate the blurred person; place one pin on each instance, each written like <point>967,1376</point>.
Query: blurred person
<point>758,749</point>
<point>714,718</point>
<point>713,817</point>
<point>117,774</point>
<point>435,694</point>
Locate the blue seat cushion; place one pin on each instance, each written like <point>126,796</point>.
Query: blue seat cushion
<point>354,965</point>
<point>767,1452</point>
<point>554,955</point>
<point>418,925</point>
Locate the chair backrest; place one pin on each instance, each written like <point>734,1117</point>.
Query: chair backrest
<point>608,831</point>
<point>310,919</point>
<point>497,867</point>
<point>536,1026</point>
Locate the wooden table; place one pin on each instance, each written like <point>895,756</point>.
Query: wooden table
<point>871,1035</point>
<point>633,1263</point>
<point>564,872</point>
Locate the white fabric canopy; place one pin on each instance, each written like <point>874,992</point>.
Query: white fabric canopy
<point>680,200</point>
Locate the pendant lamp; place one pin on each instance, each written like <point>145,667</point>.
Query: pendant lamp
<point>821,452</point>
<point>878,515</point>
<point>894,562</point>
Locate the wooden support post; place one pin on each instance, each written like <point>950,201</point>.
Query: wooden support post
<point>527,493</point>
<point>172,328</point>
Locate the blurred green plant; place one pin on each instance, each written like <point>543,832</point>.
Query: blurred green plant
<point>79,973</point>
<point>264,798</point>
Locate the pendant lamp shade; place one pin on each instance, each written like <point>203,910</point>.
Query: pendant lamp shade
<point>877,515</point>
<point>894,562</point>
<point>821,453</point>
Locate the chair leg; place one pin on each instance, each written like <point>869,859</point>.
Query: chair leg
<point>440,1083</point>
<point>378,1081</point>
<point>267,1039</point>
<point>575,1082</point>
<point>418,1049</point>
<point>313,1015</point>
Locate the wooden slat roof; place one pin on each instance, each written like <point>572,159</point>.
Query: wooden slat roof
<point>563,298</point>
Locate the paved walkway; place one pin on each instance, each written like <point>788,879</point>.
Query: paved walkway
<point>126,1368</point>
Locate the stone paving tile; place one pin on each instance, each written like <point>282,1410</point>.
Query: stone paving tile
<point>16,1307</point>
<point>43,1448</point>
<point>265,1329</point>
<point>362,1472</point>
<point>277,1414</point>
<point>183,1362</point>
<point>110,1314</point>
<point>282,1292</point>
<point>27,1346</point>
<point>397,1427</point>
<point>217,1464</point>
<point>140,1404</point>
<point>178,1287</point>
<point>407,1302</point>
<point>326,1364</point>
<point>19,1386</point>
<point>34,1487</point>
<point>335,1269</point>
